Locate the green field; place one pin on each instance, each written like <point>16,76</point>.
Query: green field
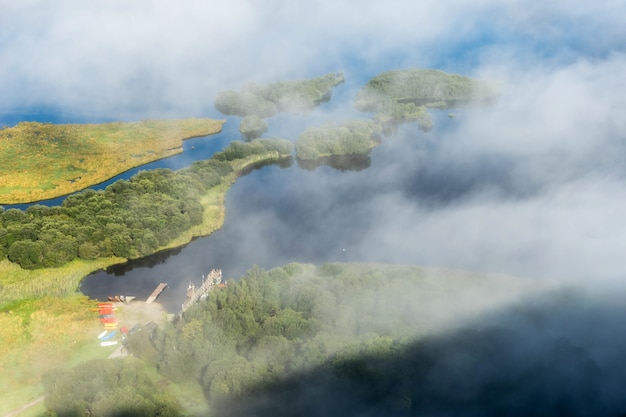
<point>41,160</point>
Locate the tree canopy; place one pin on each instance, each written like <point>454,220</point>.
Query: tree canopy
<point>130,218</point>
<point>351,137</point>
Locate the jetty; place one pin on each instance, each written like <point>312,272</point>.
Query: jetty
<point>195,293</point>
<point>158,290</point>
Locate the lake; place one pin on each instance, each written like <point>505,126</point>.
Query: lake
<point>293,213</point>
<point>306,212</point>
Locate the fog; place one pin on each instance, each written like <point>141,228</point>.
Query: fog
<point>532,186</point>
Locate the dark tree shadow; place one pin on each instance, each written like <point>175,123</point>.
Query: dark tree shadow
<point>558,357</point>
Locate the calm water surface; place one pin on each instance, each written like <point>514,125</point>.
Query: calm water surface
<point>281,214</point>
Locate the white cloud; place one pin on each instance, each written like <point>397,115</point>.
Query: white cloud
<point>554,140</point>
<point>157,56</point>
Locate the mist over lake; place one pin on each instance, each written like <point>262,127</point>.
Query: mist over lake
<point>532,186</point>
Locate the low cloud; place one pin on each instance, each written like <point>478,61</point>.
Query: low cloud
<point>111,59</point>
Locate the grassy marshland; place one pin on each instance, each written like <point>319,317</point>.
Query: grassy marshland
<point>41,160</point>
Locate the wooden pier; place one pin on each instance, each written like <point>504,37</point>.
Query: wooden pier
<point>159,289</point>
<point>194,293</point>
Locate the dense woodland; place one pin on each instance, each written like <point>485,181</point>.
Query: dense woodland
<point>108,387</point>
<point>295,323</point>
<point>129,219</point>
<point>393,97</point>
<point>364,339</point>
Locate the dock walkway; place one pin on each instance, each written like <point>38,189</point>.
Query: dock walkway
<point>214,278</point>
<point>156,293</point>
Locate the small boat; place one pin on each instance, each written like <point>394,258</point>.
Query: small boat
<point>108,320</point>
<point>110,335</point>
<point>109,343</point>
<point>110,326</point>
<point>120,298</point>
<point>101,335</point>
<point>104,304</point>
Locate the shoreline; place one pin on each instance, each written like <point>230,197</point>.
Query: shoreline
<point>93,180</point>
<point>19,284</point>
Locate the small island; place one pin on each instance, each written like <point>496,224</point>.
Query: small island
<point>252,127</point>
<point>39,161</point>
<point>267,100</point>
<point>404,95</point>
<point>352,137</point>
<point>394,97</point>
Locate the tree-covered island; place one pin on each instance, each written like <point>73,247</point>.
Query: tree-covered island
<point>394,97</point>
<point>404,95</point>
<point>351,137</point>
<point>39,161</point>
<point>266,100</point>
<point>252,127</point>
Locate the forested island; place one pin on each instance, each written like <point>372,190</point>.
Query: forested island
<point>404,95</point>
<point>40,161</point>
<point>394,97</point>
<point>285,334</point>
<point>252,127</point>
<point>266,100</point>
<point>351,137</point>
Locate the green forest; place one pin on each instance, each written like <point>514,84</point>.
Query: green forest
<point>289,322</point>
<point>130,218</point>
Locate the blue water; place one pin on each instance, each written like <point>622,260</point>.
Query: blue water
<point>281,214</point>
<point>195,149</point>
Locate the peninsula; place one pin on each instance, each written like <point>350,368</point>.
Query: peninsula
<point>39,161</point>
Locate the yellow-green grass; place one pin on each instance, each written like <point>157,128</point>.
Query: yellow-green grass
<point>41,334</point>
<point>18,284</point>
<point>41,160</point>
<point>45,322</point>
